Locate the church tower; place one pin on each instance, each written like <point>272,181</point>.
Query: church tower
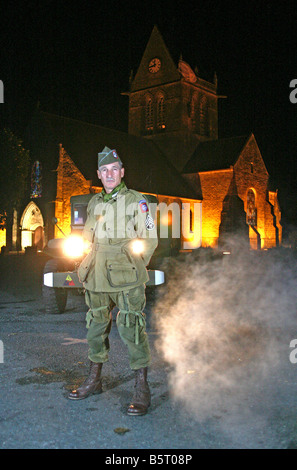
<point>171,104</point>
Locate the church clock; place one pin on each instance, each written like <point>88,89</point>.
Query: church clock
<point>154,65</point>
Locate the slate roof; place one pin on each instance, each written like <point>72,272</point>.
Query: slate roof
<point>146,168</point>
<point>215,155</point>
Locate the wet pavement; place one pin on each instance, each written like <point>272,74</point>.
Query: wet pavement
<point>45,356</point>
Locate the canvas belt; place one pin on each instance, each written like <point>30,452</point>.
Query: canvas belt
<point>108,248</point>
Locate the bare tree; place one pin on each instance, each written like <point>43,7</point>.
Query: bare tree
<point>14,168</point>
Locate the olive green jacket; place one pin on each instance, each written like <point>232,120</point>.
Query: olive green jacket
<point>111,227</point>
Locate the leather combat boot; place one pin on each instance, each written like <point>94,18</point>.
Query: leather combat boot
<point>91,385</point>
<point>141,398</point>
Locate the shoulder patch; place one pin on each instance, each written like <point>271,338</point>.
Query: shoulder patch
<point>143,206</point>
<point>149,222</point>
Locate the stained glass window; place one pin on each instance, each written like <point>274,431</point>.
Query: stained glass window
<point>36,185</point>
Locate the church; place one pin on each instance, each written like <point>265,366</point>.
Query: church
<point>172,150</point>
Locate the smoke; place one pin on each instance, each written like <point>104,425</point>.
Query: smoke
<point>220,320</point>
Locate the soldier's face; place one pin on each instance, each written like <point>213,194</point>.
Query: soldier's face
<point>110,175</point>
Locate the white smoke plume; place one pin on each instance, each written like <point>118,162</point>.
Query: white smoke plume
<point>220,320</point>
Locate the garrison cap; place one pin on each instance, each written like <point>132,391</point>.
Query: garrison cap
<point>108,156</point>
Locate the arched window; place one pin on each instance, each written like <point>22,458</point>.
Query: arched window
<point>203,116</point>
<point>193,111</point>
<point>149,114</point>
<point>251,209</point>
<point>161,112</point>
<point>191,221</point>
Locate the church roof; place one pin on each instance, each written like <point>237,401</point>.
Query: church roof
<point>215,154</point>
<point>146,168</point>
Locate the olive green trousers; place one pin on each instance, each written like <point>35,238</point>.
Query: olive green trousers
<point>130,323</point>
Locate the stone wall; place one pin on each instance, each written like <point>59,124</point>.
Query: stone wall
<point>70,182</point>
<point>249,173</point>
<point>215,186</point>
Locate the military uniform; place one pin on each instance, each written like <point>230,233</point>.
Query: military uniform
<point>114,275</point>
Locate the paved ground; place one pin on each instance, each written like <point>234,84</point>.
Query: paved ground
<point>46,355</point>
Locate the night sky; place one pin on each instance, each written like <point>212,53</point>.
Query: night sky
<point>75,58</point>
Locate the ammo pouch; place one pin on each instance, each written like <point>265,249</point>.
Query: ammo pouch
<point>85,266</point>
<point>88,262</point>
<point>121,271</point>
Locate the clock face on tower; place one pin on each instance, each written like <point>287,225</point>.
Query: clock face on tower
<point>154,65</point>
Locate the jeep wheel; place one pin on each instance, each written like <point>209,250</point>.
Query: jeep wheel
<point>55,299</point>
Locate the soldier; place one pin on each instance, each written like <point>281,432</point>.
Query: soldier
<point>119,220</point>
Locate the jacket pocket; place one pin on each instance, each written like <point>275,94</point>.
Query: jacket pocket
<point>121,273</point>
<point>85,266</point>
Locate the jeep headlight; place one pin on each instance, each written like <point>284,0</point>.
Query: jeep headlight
<point>74,246</point>
<point>137,246</point>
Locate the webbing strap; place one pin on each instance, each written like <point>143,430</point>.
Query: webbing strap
<point>139,321</point>
<point>90,314</point>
